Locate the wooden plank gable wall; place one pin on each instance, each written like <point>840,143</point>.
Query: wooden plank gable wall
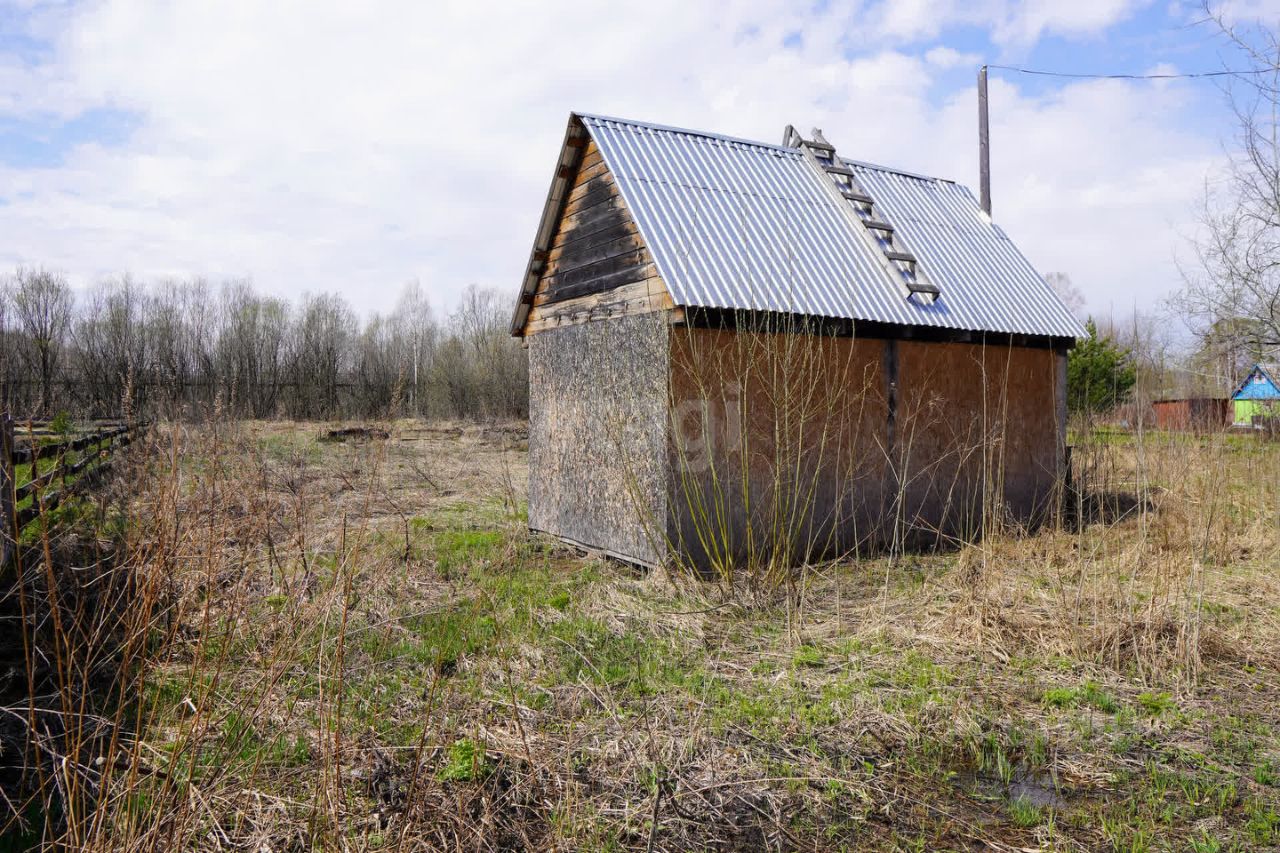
<point>597,266</point>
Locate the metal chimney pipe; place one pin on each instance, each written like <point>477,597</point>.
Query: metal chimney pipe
<point>984,144</point>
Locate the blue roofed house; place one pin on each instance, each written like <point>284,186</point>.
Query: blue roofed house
<point>741,350</point>
<point>1258,396</point>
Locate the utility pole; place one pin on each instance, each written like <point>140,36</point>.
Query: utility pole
<point>984,144</point>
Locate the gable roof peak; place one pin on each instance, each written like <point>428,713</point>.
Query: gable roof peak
<point>1268,377</point>
<point>739,224</point>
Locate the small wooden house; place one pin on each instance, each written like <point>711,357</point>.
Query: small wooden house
<point>1193,414</point>
<point>741,350</point>
<point>1257,398</point>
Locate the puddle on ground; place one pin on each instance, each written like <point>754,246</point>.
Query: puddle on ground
<point>1036,788</point>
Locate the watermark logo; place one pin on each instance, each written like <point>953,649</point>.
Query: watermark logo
<point>704,427</point>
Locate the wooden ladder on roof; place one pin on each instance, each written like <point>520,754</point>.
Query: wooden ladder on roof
<point>898,260</point>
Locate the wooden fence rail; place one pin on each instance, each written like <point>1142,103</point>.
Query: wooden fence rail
<point>96,448</point>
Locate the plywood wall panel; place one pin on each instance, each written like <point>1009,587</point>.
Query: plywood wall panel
<point>778,445</point>
<point>804,446</point>
<point>598,434</point>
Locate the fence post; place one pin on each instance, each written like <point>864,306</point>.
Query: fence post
<point>8,533</point>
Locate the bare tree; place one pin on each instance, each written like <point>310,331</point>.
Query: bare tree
<point>111,345</point>
<point>179,335</point>
<point>380,368</point>
<point>42,302</point>
<point>496,361</point>
<point>1067,292</point>
<point>252,351</point>
<point>321,353</point>
<point>1233,288</point>
<point>415,329</point>
<point>1154,352</point>
<point>6,350</point>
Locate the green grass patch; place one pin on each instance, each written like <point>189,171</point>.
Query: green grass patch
<point>443,638</point>
<point>459,549</point>
<point>1156,704</point>
<point>1025,813</point>
<point>1263,823</point>
<point>1088,694</point>
<point>808,656</point>
<point>460,515</point>
<point>626,662</point>
<point>297,448</point>
<point>465,762</point>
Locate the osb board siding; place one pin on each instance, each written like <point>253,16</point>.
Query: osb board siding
<point>778,445</point>
<point>596,251</point>
<point>978,432</point>
<point>598,434</point>
<point>794,446</point>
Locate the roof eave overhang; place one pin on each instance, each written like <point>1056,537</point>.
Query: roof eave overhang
<point>576,137</point>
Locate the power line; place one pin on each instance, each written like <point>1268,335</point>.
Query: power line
<point>1076,76</point>
<point>984,144</point>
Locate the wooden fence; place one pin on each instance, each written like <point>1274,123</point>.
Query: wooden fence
<point>27,488</point>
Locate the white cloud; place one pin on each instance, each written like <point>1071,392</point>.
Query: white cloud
<point>1013,23</point>
<point>1025,22</point>
<point>1238,11</point>
<point>354,148</point>
<point>948,57</point>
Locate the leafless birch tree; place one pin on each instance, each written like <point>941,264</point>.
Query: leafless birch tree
<point>42,303</point>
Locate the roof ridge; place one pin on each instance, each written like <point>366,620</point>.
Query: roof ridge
<point>863,164</point>
<point>786,149</point>
<point>720,137</point>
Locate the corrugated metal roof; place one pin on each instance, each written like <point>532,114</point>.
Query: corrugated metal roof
<point>746,225</point>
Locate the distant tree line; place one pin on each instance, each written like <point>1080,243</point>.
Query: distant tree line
<point>182,346</point>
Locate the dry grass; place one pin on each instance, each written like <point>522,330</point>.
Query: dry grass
<point>358,646</point>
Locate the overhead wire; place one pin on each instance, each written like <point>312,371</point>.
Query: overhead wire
<point>1158,76</point>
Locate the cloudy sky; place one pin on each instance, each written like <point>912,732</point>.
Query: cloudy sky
<point>354,146</point>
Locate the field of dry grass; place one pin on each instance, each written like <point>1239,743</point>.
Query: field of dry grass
<point>358,646</point>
